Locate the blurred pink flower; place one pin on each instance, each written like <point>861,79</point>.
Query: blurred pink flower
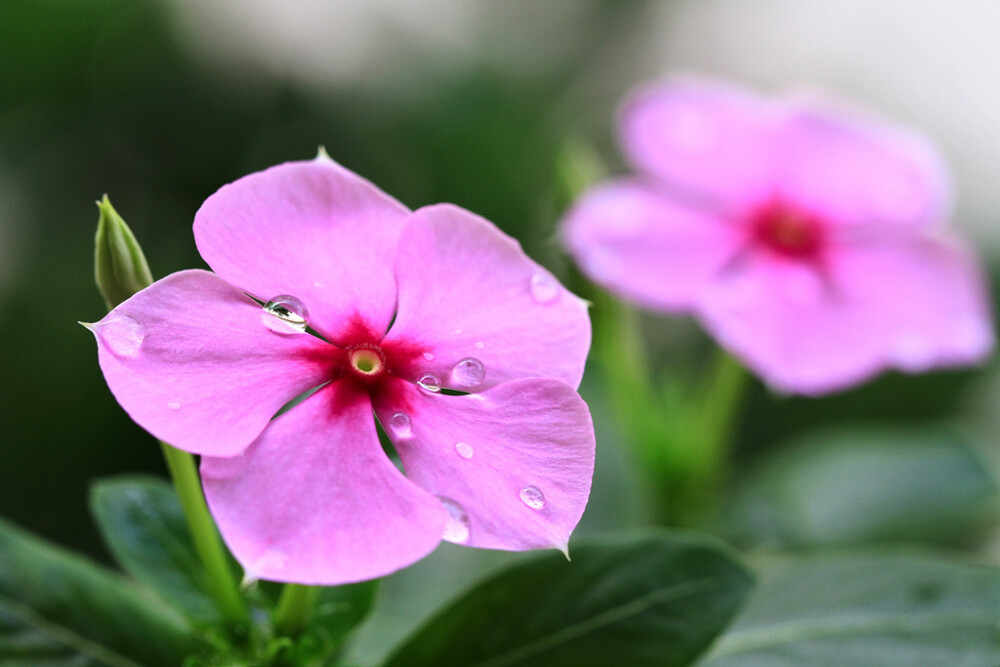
<point>409,305</point>
<point>808,242</point>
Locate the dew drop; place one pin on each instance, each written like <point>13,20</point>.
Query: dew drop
<point>480,345</point>
<point>122,335</point>
<point>464,450</point>
<point>269,561</point>
<point>544,288</point>
<point>400,425</point>
<point>429,383</point>
<point>174,405</point>
<point>457,528</point>
<point>532,497</point>
<point>468,372</point>
<point>428,356</point>
<point>285,315</point>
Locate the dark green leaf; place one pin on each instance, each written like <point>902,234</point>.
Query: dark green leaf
<point>143,526</point>
<point>58,608</point>
<point>862,484</point>
<point>653,600</point>
<point>878,610</point>
<point>340,609</point>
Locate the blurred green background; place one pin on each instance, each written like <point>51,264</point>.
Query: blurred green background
<point>158,104</point>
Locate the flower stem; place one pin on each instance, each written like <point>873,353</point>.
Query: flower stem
<point>709,436</point>
<point>222,584</point>
<point>294,609</point>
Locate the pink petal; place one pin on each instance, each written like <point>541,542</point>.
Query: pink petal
<point>191,361</point>
<point>894,302</point>
<point>852,170</point>
<point>315,500</point>
<point>704,137</point>
<point>312,230</point>
<point>468,292</point>
<point>513,464</point>
<point>647,247</point>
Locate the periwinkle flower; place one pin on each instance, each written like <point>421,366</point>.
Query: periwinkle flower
<point>809,241</point>
<point>467,352</point>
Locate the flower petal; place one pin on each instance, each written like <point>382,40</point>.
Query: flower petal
<point>513,463</point>
<point>704,137</point>
<point>468,291</point>
<point>854,171</point>
<point>316,501</point>
<point>191,361</point>
<point>646,246</point>
<point>312,230</point>
<point>911,303</point>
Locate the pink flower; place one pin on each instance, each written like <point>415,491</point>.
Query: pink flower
<point>809,243</point>
<point>409,305</point>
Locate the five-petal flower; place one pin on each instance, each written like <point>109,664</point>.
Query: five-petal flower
<point>468,353</point>
<point>807,241</point>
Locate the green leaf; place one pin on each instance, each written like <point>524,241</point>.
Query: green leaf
<point>854,485</point>
<point>652,600</point>
<point>890,609</point>
<point>141,521</point>
<point>340,609</point>
<point>58,608</point>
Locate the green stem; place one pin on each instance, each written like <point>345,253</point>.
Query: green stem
<point>709,438</point>
<point>294,609</point>
<point>222,584</point>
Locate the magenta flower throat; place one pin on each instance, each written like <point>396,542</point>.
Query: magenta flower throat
<point>434,322</point>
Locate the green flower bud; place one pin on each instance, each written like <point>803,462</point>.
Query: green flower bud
<point>120,268</point>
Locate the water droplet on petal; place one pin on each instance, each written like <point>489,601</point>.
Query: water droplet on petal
<point>428,356</point>
<point>464,450</point>
<point>122,335</point>
<point>429,383</point>
<point>457,528</point>
<point>544,288</point>
<point>913,351</point>
<point>468,372</point>
<point>480,345</point>
<point>174,405</point>
<point>285,315</point>
<point>269,561</point>
<point>400,425</point>
<point>532,497</point>
<point>222,467</point>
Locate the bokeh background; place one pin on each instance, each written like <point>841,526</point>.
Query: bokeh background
<point>158,104</point>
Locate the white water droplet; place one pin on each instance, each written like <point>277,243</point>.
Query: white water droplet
<point>457,528</point>
<point>174,405</point>
<point>544,288</point>
<point>480,345</point>
<point>270,561</point>
<point>464,450</point>
<point>400,425</point>
<point>913,351</point>
<point>468,372</point>
<point>219,467</point>
<point>428,356</point>
<point>532,497</point>
<point>285,315</point>
<point>429,383</point>
<point>123,335</point>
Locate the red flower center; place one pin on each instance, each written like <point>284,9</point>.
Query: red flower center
<point>788,231</point>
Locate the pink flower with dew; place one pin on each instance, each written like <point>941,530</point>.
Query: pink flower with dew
<point>809,242</point>
<point>407,306</point>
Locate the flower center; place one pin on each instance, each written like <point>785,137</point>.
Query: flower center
<point>366,360</point>
<point>788,231</point>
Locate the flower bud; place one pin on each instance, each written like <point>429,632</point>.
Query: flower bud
<point>120,268</point>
